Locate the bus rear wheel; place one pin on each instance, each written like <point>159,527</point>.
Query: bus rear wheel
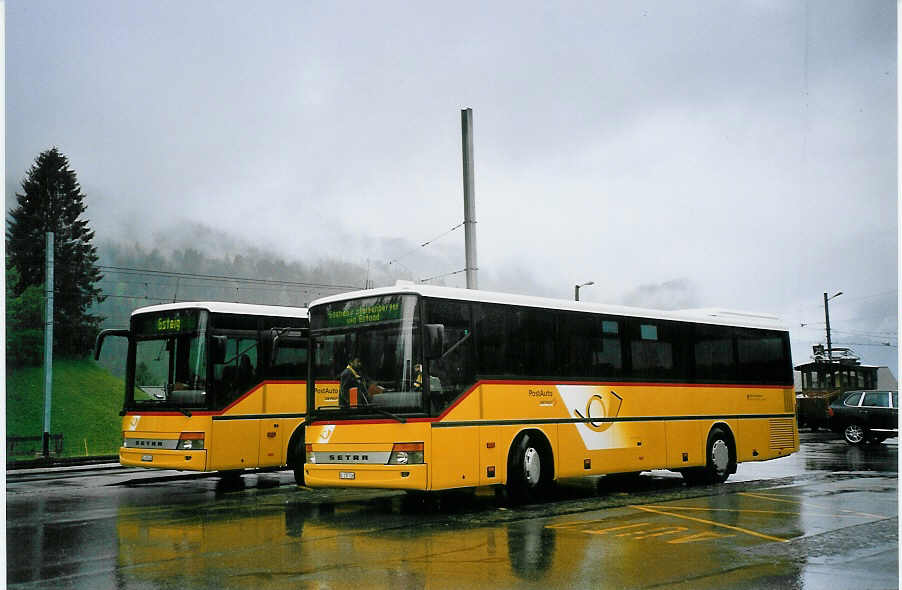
<point>720,460</point>
<point>529,469</point>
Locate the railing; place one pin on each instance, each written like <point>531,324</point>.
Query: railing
<point>18,446</point>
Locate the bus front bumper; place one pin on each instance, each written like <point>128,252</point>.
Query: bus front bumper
<point>392,477</point>
<point>162,459</point>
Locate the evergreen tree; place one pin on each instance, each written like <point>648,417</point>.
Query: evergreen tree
<point>51,200</point>
<point>24,323</point>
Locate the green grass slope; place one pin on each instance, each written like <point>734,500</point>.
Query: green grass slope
<point>85,410</point>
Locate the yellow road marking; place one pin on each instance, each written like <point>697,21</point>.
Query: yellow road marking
<point>745,510</point>
<point>575,524</point>
<point>616,528</point>
<point>712,523</point>
<point>778,499</point>
<point>704,536</point>
<point>670,530</point>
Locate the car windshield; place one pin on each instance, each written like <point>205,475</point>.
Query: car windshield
<point>370,349</point>
<point>169,363</point>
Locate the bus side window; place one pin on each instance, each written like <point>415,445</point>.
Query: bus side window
<point>451,374</point>
<point>290,360</point>
<point>657,350</point>
<point>714,354</point>
<point>238,373</point>
<point>763,356</point>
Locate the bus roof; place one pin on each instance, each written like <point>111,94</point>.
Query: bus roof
<point>225,307</point>
<point>702,316</point>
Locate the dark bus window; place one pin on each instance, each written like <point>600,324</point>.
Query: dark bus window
<point>238,373</point>
<point>714,354</point>
<point>655,350</point>
<point>763,356</point>
<point>531,350</point>
<point>452,373</point>
<point>590,346</point>
<point>607,356</point>
<point>491,339</point>
<point>290,359</point>
<point>651,356</point>
<point>576,332</point>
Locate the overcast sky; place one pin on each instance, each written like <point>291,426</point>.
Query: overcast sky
<point>679,154</point>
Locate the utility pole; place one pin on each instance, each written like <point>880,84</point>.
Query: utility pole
<point>466,125</point>
<point>829,343</point>
<point>827,318</point>
<point>48,341</point>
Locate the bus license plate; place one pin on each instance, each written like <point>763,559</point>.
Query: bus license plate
<point>346,475</point>
<point>147,458</point>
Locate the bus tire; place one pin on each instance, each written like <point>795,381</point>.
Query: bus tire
<point>297,455</point>
<point>720,459</point>
<point>530,469</point>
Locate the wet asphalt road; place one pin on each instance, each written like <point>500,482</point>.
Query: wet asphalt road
<point>826,517</point>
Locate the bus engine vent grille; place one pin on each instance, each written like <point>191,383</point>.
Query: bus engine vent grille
<point>782,433</point>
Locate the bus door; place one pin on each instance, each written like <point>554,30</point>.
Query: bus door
<point>283,392</point>
<point>236,431</point>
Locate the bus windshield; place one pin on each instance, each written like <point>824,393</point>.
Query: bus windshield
<point>371,348</point>
<point>169,366</point>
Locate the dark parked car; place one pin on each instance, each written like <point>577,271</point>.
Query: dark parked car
<point>865,416</point>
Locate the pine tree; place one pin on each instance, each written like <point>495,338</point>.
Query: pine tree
<point>51,200</point>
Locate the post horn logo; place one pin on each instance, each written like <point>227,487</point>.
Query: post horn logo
<point>599,407</point>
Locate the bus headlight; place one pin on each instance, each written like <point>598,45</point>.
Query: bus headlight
<point>406,454</point>
<point>311,458</point>
<point>191,441</point>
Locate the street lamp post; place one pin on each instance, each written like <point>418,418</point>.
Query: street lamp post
<point>829,343</point>
<point>576,289</point>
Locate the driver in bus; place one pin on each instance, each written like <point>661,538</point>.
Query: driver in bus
<point>353,378</point>
<point>418,377</point>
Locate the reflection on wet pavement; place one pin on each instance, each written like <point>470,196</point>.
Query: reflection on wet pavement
<point>816,522</point>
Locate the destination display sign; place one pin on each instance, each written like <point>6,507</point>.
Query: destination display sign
<point>172,322</point>
<point>363,311</point>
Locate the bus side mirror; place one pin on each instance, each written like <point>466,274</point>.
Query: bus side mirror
<point>98,344</point>
<point>434,335</point>
<point>218,349</point>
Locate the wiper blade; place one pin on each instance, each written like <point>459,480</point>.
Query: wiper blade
<point>346,411</point>
<point>400,419</point>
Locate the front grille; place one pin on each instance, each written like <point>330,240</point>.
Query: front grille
<point>782,433</point>
<point>168,444</point>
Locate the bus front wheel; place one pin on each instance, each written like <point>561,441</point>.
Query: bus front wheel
<point>297,455</point>
<point>529,469</point>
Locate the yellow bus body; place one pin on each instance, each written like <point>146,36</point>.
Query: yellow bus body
<point>631,427</point>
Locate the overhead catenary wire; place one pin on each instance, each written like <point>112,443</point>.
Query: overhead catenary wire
<point>456,272</point>
<point>205,277</point>
<point>426,243</point>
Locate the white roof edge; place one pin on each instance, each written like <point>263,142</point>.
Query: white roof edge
<point>702,316</point>
<point>226,307</point>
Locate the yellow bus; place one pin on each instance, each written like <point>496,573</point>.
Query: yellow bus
<point>213,386</point>
<point>522,391</point>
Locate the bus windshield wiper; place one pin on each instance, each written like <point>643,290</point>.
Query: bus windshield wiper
<point>455,345</point>
<point>400,419</point>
